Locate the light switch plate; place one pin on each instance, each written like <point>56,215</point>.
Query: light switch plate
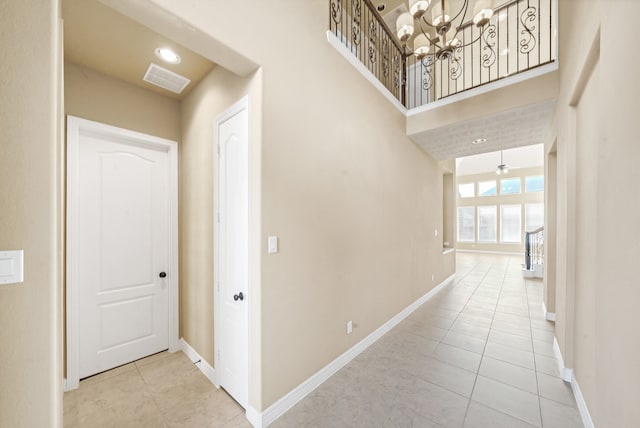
<point>11,267</point>
<point>272,244</point>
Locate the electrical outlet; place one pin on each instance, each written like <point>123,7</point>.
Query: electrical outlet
<point>436,232</point>
<point>349,327</point>
<point>433,277</point>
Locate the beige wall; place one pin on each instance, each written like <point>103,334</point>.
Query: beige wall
<point>521,198</point>
<point>96,96</point>
<point>219,90</point>
<point>31,212</point>
<point>354,202</point>
<point>597,157</point>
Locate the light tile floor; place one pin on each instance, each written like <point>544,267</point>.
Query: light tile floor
<point>479,354</point>
<point>163,390</point>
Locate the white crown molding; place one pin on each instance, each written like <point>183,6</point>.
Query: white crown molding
<point>273,412</point>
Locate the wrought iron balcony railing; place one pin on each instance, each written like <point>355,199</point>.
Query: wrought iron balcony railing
<point>534,252</point>
<point>519,37</point>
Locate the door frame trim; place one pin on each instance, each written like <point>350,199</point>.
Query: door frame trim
<point>242,104</point>
<point>75,127</point>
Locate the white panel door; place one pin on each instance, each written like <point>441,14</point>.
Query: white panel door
<point>123,233</point>
<point>233,199</point>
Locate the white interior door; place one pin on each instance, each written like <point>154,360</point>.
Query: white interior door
<point>232,257</point>
<point>122,251</point>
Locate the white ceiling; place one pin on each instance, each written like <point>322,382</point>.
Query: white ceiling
<point>523,126</point>
<point>521,157</point>
<point>98,37</point>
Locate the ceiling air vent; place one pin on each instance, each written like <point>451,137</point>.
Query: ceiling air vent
<point>166,79</point>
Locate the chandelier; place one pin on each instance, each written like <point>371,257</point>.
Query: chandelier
<point>439,29</point>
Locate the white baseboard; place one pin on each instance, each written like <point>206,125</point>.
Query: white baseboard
<point>273,412</point>
<point>502,253</point>
<point>582,405</point>
<point>204,367</point>
<point>549,316</point>
<point>565,373</point>
<point>254,417</point>
<point>568,375</point>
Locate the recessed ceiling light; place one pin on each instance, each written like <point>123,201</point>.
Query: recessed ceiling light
<point>167,55</point>
<point>479,141</point>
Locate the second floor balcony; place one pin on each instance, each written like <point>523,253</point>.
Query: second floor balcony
<point>519,38</point>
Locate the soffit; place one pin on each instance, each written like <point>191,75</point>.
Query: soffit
<point>523,126</point>
<point>97,37</point>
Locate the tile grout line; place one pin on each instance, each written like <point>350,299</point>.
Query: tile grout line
<point>487,341</point>
<point>535,364</point>
<point>466,412</point>
<point>532,353</point>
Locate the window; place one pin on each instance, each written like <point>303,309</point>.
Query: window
<point>466,224</point>
<point>509,186</point>
<point>510,216</point>
<point>487,188</point>
<point>487,224</point>
<point>466,190</point>
<point>533,216</point>
<point>534,184</point>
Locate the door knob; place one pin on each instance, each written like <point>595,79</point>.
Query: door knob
<point>238,296</point>
<point>162,275</point>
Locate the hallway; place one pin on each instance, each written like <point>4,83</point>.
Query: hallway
<point>479,354</point>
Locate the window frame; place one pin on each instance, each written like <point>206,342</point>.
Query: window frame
<point>519,192</point>
<point>473,235</point>
<point>495,224</point>
<point>495,182</point>
<point>502,240</point>
<point>527,177</point>
<point>526,216</point>
<point>473,186</point>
